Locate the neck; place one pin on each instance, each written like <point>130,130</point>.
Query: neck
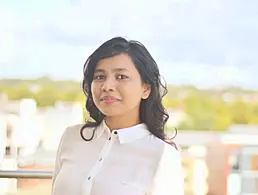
<point>120,122</point>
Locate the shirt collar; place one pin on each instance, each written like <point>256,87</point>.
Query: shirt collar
<point>125,135</point>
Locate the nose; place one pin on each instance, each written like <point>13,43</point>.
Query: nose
<point>109,85</point>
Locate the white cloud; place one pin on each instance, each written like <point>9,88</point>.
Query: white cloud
<point>6,36</point>
<point>205,75</point>
<point>199,39</point>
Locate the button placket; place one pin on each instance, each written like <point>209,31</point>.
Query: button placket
<point>98,164</point>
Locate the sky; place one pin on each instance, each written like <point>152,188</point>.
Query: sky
<point>203,43</point>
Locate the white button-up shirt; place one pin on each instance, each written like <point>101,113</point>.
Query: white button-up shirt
<point>129,161</point>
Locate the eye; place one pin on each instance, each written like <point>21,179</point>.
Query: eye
<point>99,77</point>
<point>121,77</point>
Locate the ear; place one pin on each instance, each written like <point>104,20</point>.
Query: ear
<point>146,91</point>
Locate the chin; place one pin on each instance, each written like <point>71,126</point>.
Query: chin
<point>111,112</point>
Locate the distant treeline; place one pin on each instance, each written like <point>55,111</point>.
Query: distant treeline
<point>209,109</point>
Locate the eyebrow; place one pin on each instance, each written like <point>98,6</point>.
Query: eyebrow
<point>113,70</point>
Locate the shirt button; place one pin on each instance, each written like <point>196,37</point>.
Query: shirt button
<point>115,132</point>
<point>89,177</point>
<point>100,159</point>
<point>109,138</point>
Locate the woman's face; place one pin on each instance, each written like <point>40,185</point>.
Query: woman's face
<point>117,88</point>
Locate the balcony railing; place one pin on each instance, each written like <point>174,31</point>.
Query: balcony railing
<point>26,174</point>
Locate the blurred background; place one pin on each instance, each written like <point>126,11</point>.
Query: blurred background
<point>206,51</point>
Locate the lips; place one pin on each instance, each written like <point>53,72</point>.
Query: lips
<point>109,99</point>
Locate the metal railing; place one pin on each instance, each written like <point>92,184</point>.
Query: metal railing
<point>26,174</point>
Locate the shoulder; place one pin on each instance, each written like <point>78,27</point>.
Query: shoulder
<point>161,151</point>
<point>169,152</point>
<point>71,134</point>
<point>170,162</point>
<point>71,131</point>
<point>169,171</point>
<point>162,147</point>
<point>169,159</point>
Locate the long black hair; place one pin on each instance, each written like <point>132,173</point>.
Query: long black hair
<point>152,112</point>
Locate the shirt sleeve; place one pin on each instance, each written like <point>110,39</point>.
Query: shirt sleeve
<point>58,162</point>
<point>169,178</point>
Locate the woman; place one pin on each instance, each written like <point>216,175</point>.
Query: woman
<point>123,149</point>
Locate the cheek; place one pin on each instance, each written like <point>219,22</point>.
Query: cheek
<point>95,90</point>
<point>131,94</point>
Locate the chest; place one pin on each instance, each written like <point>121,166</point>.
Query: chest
<point>111,169</point>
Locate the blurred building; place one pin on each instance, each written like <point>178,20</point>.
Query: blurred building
<point>220,163</point>
<point>215,163</point>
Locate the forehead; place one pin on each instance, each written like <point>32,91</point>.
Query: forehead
<point>121,61</point>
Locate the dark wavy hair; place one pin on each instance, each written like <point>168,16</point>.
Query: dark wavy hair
<point>152,112</point>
